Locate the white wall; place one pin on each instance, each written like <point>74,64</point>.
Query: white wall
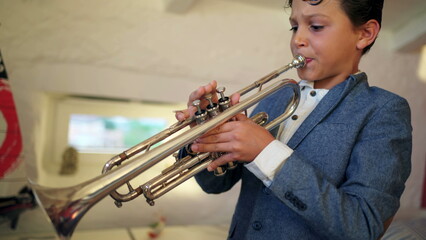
<point>136,50</point>
<point>397,72</point>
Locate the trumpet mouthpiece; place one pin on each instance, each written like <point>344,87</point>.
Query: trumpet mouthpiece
<point>298,61</point>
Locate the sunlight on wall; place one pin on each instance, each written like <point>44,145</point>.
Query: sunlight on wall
<point>422,65</point>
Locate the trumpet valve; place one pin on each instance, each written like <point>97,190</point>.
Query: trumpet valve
<point>232,165</point>
<point>212,108</point>
<point>189,150</point>
<point>224,102</point>
<point>200,115</point>
<point>220,171</point>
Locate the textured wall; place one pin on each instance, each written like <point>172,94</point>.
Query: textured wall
<point>136,50</point>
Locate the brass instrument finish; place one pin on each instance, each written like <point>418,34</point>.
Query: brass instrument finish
<point>66,206</point>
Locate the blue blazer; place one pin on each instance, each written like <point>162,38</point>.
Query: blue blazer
<point>345,178</point>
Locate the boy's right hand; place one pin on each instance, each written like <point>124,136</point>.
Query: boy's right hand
<point>197,94</point>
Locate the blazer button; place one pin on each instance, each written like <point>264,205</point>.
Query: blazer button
<point>294,117</point>
<point>288,195</point>
<point>257,225</point>
<point>265,190</point>
<point>313,93</point>
<point>298,204</point>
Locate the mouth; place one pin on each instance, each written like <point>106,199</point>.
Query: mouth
<point>308,60</point>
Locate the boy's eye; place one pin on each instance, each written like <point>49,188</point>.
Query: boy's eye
<point>293,29</point>
<point>316,27</point>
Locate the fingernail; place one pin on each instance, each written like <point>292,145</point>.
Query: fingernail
<point>209,169</point>
<point>194,147</point>
<point>179,116</point>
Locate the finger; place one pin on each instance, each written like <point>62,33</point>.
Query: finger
<point>197,94</point>
<point>213,138</point>
<point>235,98</point>
<point>184,114</point>
<point>202,91</point>
<point>180,115</point>
<point>211,87</point>
<point>219,162</point>
<point>208,147</point>
<point>228,126</point>
<point>221,129</point>
<point>217,130</point>
<point>191,111</point>
<point>240,117</point>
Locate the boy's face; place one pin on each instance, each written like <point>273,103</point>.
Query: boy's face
<point>325,36</point>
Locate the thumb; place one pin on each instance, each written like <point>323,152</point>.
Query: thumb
<point>241,117</point>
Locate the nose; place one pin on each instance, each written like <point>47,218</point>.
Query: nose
<point>299,39</point>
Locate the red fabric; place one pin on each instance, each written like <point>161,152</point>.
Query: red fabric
<point>11,146</point>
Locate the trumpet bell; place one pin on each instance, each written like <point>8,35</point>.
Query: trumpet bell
<point>62,208</point>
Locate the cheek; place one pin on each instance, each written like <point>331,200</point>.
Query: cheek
<point>345,41</point>
<point>322,46</point>
<point>292,46</point>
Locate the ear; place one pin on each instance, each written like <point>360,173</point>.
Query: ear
<point>367,33</point>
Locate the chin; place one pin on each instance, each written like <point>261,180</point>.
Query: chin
<point>306,75</point>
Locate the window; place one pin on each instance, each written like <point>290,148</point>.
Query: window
<point>100,129</point>
<point>99,134</point>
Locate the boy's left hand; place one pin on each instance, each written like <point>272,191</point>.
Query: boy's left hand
<point>240,140</point>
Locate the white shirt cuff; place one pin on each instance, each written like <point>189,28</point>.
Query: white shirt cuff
<point>269,161</point>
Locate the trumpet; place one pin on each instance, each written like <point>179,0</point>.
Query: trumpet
<point>66,206</point>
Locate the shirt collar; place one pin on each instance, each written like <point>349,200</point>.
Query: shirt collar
<point>306,84</point>
<point>309,85</point>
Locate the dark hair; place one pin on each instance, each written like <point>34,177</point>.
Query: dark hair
<point>358,11</point>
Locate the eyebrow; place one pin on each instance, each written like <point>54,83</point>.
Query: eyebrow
<point>292,19</point>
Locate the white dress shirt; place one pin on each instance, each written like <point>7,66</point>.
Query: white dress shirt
<point>273,156</point>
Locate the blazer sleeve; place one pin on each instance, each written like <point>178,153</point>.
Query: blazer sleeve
<point>378,166</point>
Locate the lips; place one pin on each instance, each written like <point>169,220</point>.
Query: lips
<point>308,60</point>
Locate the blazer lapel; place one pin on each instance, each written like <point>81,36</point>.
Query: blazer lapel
<point>327,104</point>
<point>275,105</point>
